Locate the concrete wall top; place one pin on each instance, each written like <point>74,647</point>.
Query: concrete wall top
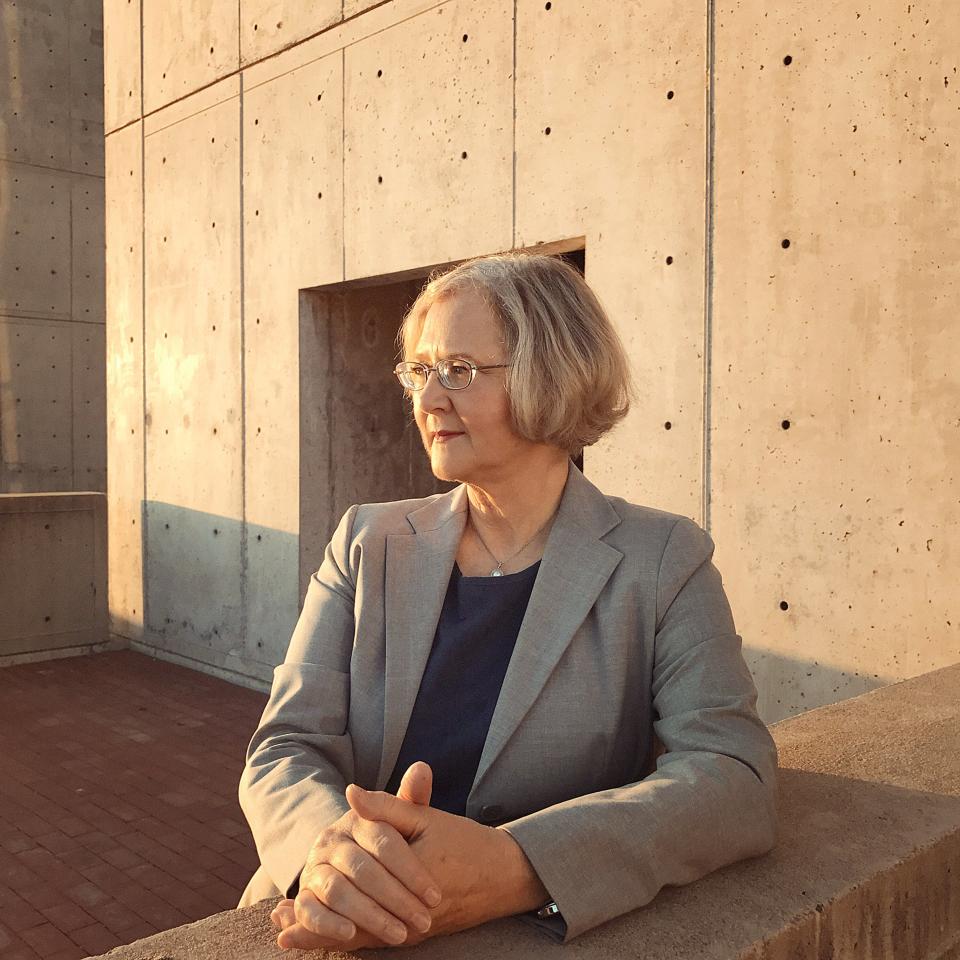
<point>870,829</point>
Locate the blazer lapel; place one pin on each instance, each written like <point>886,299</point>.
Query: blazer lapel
<point>575,567</point>
<point>418,568</point>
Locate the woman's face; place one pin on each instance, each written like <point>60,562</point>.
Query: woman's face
<point>487,448</point>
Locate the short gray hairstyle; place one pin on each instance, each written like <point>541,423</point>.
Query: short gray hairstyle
<point>570,380</point>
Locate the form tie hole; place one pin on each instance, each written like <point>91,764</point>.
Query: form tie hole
<point>784,244</point>
<point>784,605</point>
<point>669,261</point>
<point>787,60</point>
<point>785,424</point>
<point>669,94</point>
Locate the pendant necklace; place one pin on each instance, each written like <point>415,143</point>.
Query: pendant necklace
<point>498,570</point>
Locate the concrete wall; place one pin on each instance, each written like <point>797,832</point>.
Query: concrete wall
<point>765,201</point>
<point>52,348</point>
<point>53,575</point>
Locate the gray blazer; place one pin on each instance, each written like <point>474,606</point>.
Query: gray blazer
<point>627,640</point>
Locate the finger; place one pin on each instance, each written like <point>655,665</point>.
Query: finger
<point>367,872</point>
<point>333,898</point>
<point>384,842</point>
<point>321,920</point>
<point>283,914</point>
<point>298,937</point>
<point>417,783</point>
<point>408,818</point>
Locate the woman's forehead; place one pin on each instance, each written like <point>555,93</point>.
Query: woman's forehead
<point>459,327</point>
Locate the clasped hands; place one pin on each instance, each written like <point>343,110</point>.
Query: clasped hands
<point>393,870</point>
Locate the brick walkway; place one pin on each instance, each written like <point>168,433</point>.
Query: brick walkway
<point>118,801</point>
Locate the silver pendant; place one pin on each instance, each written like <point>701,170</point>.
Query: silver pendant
<point>496,573</point>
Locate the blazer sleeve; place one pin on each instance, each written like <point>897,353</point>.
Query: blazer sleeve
<point>711,800</point>
<point>300,758</point>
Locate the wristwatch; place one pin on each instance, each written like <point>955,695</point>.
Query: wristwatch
<point>550,910</point>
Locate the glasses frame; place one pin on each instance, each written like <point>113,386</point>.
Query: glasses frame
<point>474,367</point>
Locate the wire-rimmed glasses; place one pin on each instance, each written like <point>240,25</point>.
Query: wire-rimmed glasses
<point>454,373</point>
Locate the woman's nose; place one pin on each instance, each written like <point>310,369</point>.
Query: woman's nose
<point>433,390</point>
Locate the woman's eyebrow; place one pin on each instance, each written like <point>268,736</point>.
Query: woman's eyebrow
<point>462,354</point>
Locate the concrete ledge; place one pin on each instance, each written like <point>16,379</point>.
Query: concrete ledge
<point>867,864</point>
<point>53,575</point>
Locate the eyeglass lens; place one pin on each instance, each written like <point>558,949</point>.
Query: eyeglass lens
<point>453,375</point>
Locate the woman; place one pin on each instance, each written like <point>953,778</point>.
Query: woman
<point>466,722</point>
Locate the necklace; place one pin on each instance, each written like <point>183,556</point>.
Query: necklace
<point>498,570</point>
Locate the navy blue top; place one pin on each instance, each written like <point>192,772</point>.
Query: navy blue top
<point>475,637</point>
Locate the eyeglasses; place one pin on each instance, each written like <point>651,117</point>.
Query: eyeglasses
<point>454,374</point>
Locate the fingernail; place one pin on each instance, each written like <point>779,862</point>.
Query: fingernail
<point>397,931</point>
<point>432,896</point>
<point>345,931</point>
<point>422,922</point>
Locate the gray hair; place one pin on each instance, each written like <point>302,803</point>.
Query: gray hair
<point>570,380</point>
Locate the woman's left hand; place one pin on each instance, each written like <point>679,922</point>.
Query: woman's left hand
<point>468,861</point>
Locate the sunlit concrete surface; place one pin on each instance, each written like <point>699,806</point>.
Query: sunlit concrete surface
<point>118,801</point>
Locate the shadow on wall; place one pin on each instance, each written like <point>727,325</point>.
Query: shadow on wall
<point>788,686</point>
<point>197,578</point>
<point>11,96</point>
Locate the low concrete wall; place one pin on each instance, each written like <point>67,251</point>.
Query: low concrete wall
<point>866,864</point>
<point>53,575</point>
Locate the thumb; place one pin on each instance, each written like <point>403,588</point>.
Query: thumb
<point>409,819</point>
<point>417,783</point>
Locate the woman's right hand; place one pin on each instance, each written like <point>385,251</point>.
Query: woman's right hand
<point>362,877</point>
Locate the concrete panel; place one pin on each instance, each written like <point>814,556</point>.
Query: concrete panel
<point>124,386</point>
<point>192,346</point>
<point>293,207</point>
<point>86,145</point>
<point>35,239</point>
<point>267,26</point>
<point>610,145</point>
<point>835,391</point>
<point>87,204</point>
<point>418,97</point>
<point>121,63</point>
<point>187,44</point>
<point>36,401</point>
<point>35,79</point>
<point>86,60</point>
<point>52,553</point>
<point>89,407</point>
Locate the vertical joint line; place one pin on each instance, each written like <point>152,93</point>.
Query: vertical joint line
<point>709,226</point>
<point>244,532</point>
<point>343,161</point>
<point>144,545</point>
<point>513,223</point>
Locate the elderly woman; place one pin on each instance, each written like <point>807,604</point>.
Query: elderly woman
<point>522,696</point>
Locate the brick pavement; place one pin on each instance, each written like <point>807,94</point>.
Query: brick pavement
<point>118,801</point>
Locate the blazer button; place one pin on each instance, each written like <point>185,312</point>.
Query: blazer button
<point>491,813</point>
